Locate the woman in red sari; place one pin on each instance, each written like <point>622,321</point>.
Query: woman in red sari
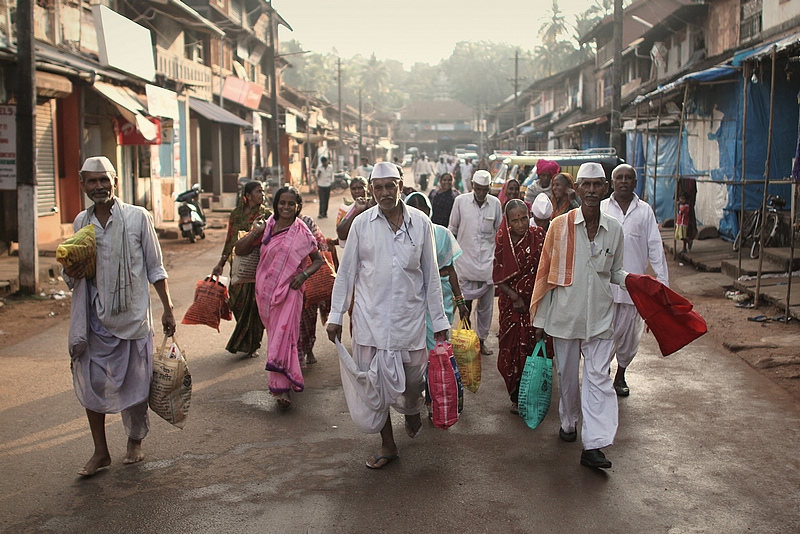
<point>518,247</point>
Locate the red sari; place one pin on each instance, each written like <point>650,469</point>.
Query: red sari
<point>515,264</point>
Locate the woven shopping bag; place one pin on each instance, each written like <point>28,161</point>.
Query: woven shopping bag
<point>243,268</point>
<point>443,386</point>
<point>467,350</point>
<point>171,387</point>
<point>82,246</point>
<point>210,304</point>
<point>536,386</point>
<point>319,285</point>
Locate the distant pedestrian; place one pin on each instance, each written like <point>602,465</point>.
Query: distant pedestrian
<point>582,256</point>
<point>643,246</point>
<point>475,220</point>
<point>441,168</point>
<point>682,221</point>
<point>111,333</point>
<point>423,170</point>
<point>389,272</point>
<point>466,169</point>
<point>324,176</point>
<point>364,169</point>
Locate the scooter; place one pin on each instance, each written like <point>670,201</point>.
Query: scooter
<point>191,219</point>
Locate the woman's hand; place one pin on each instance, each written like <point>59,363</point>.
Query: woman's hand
<point>298,280</point>
<point>463,311</point>
<point>217,270</point>
<point>258,226</point>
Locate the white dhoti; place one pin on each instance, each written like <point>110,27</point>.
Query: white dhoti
<point>595,398</point>
<point>484,294</point>
<point>113,375</point>
<point>373,380</point>
<point>628,329</point>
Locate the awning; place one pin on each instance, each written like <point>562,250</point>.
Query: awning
<point>215,113</point>
<point>597,120</point>
<point>764,50</point>
<point>707,75</point>
<point>129,107</point>
<point>198,17</point>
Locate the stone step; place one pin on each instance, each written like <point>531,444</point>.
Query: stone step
<point>780,256</point>
<point>729,267</point>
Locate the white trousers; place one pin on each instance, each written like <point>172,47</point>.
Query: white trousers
<point>596,398</point>
<point>484,294</point>
<point>628,329</point>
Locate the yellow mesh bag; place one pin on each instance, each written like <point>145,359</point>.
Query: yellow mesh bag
<point>82,246</point>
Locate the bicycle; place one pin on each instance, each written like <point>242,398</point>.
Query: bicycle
<point>752,228</point>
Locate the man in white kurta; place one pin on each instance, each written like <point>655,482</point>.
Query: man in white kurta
<point>390,274</point>
<point>475,220</point>
<point>580,316</point>
<point>643,245</point>
<point>111,334</point>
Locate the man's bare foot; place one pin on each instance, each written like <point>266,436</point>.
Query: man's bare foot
<point>135,453</point>
<point>413,425</point>
<point>95,464</point>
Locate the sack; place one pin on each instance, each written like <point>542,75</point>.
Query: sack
<point>467,351</point>
<point>210,304</point>
<point>243,268</point>
<point>319,285</point>
<point>82,246</point>
<point>536,386</point>
<point>442,386</point>
<point>171,387</point>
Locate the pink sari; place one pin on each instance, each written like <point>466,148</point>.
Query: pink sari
<point>279,305</point>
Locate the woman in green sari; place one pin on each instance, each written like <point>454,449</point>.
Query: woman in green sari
<point>247,335</point>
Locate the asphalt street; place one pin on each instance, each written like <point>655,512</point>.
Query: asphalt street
<point>705,444</point>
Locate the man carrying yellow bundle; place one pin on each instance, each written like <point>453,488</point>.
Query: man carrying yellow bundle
<point>111,334</point>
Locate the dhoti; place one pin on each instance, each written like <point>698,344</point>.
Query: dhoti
<point>373,380</point>
<point>628,329</point>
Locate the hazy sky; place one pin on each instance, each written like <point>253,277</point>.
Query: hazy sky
<point>414,30</point>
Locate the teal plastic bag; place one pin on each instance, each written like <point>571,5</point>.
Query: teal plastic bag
<point>536,386</point>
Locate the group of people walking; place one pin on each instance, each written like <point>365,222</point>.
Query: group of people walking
<point>404,271</point>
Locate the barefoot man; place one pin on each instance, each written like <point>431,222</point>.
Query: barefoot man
<point>111,334</point>
<point>389,264</point>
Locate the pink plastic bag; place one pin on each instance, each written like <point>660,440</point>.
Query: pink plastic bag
<point>443,386</point>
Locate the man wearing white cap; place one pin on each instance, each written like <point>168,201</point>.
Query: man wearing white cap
<point>111,333</point>
<point>643,245</point>
<point>582,256</point>
<point>389,264</point>
<point>475,220</point>
<point>541,210</point>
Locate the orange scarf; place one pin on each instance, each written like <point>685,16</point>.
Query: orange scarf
<point>557,262</point>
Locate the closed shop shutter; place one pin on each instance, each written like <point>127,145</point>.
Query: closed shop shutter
<point>45,160</point>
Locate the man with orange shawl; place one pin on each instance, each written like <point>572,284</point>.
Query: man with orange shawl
<point>581,258</point>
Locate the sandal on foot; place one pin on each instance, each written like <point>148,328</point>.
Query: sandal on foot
<point>378,458</point>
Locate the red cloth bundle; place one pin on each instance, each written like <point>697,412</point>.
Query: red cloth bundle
<point>668,315</point>
<point>210,304</point>
<point>319,285</point>
<point>443,386</point>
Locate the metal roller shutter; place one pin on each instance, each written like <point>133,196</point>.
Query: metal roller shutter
<point>45,160</point>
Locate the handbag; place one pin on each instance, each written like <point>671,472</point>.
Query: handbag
<point>171,386</point>
<point>536,386</point>
<point>210,304</point>
<point>442,386</point>
<point>467,351</point>
<point>243,268</point>
<point>319,286</point>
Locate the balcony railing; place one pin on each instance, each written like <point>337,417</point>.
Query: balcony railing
<point>183,70</point>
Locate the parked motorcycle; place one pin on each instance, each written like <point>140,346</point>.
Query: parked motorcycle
<point>341,180</point>
<point>191,219</point>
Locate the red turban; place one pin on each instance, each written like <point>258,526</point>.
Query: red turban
<point>547,166</point>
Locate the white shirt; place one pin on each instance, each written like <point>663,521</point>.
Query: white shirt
<point>466,172</point>
<point>475,228</point>
<point>441,168</point>
<point>534,189</point>
<point>642,242</point>
<point>325,176</point>
<point>395,277</point>
<point>146,268</point>
<point>363,171</point>
<point>585,309</point>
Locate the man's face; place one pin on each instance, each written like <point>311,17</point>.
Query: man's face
<point>624,184</point>
<point>480,192</point>
<point>324,162</point>
<point>542,223</point>
<point>363,162</point>
<point>591,191</point>
<point>544,179</point>
<point>98,186</point>
<point>386,192</point>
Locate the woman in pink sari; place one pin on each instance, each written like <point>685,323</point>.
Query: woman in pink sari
<point>289,255</point>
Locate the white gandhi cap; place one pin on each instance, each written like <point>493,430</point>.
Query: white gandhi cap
<point>542,208</point>
<point>98,164</point>
<point>590,170</point>
<point>384,169</point>
<point>481,177</point>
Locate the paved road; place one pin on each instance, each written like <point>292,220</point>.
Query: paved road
<point>706,444</point>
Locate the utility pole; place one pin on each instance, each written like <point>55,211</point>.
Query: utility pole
<point>27,217</point>
<point>273,89</point>
<point>360,128</point>
<point>616,82</point>
<point>516,96</point>
<point>339,76</point>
